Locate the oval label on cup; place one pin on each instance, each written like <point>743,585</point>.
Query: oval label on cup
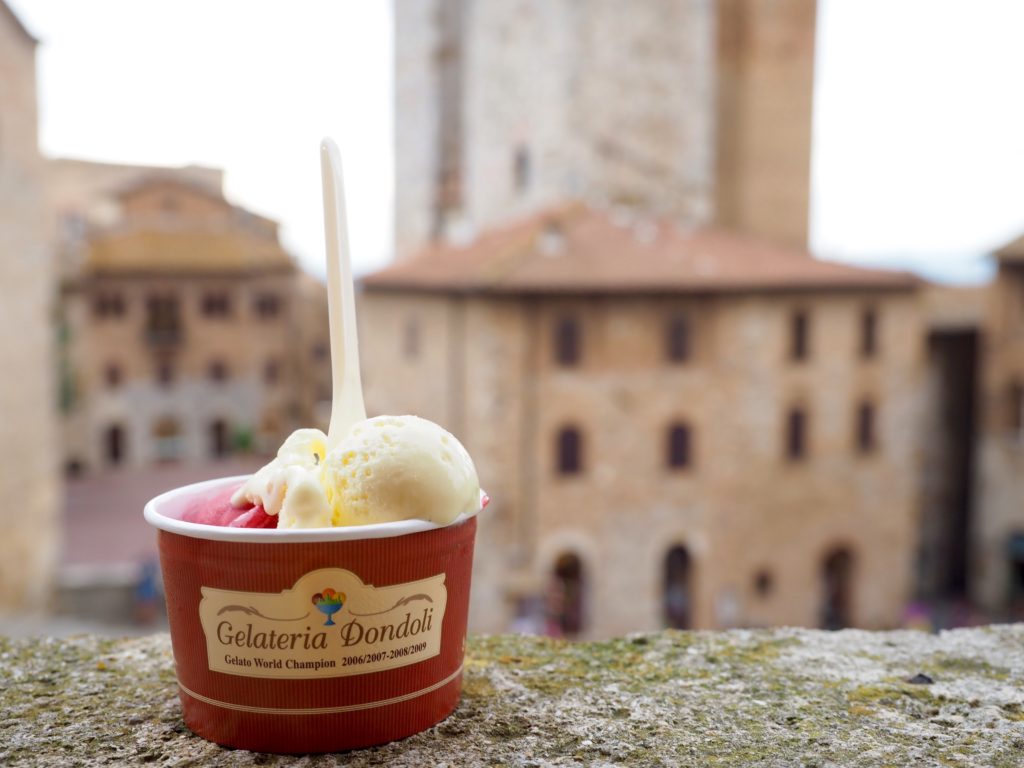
<point>330,624</point>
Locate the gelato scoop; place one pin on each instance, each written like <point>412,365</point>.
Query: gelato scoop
<point>399,467</point>
<point>385,469</point>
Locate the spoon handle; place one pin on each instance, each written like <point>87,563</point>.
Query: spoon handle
<point>347,402</point>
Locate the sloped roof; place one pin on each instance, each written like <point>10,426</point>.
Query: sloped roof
<point>5,10</point>
<point>184,251</point>
<point>580,249</point>
<point>1012,251</point>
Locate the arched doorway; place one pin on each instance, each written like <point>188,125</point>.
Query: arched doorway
<point>220,438</point>
<point>114,444</point>
<point>167,439</point>
<point>566,596</point>
<point>677,598</point>
<point>837,589</point>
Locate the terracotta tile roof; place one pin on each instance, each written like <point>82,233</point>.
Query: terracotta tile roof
<point>189,251</point>
<point>578,249</point>
<point>1012,251</point>
<point>18,25</point>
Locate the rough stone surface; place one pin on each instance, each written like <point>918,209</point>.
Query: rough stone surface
<point>782,697</point>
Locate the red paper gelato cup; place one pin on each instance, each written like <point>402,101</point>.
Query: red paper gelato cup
<point>313,640</point>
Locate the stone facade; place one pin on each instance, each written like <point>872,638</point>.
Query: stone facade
<point>28,482</point>
<point>998,531</point>
<point>694,109</point>
<point>757,528</point>
<point>188,332</point>
<point>688,112</point>
<point>954,318</point>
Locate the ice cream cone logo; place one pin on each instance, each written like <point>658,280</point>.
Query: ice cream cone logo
<point>329,602</point>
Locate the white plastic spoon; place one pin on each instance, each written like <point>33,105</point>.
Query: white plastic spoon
<point>347,401</point>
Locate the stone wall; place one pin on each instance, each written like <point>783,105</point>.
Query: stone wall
<point>765,95</point>
<point>417,121</point>
<point>552,99</point>
<point>27,399</point>
<point>1000,457</point>
<point>779,698</point>
<point>690,108</point>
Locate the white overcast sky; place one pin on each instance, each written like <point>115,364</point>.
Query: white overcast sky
<point>919,125</point>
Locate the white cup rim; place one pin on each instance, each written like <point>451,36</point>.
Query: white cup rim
<point>274,535</point>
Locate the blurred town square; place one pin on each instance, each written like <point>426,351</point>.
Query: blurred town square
<point>602,283</point>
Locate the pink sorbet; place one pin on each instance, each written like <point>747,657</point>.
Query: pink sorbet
<point>215,508</point>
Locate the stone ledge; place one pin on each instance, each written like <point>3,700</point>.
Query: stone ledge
<point>773,697</point>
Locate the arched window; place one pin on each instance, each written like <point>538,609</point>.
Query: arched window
<point>570,451</point>
<point>764,582</point>
<point>220,438</point>
<point>678,453</point>
<point>837,588</point>
<point>114,444</point>
<point>167,439</point>
<point>566,601</point>
<point>677,600</point>
<point>567,342</point>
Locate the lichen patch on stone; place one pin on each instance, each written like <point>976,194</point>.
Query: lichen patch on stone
<point>773,697</point>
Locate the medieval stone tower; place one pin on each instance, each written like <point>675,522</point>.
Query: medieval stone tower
<point>28,481</point>
<point>698,109</point>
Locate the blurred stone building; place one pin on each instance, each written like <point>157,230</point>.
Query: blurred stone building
<point>684,419</point>
<point>186,331</point>
<point>696,429</point>
<point>998,533</point>
<point>28,480</point>
<point>693,109</point>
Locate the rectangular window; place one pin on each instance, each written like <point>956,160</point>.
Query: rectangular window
<point>567,342</point>
<point>216,305</point>
<point>521,170</point>
<point>677,341</point>
<point>678,446</point>
<point>268,305</point>
<point>869,334</point>
<point>570,451</point>
<point>796,434</point>
<point>1015,409</point>
<point>866,437</point>
<point>163,320</point>
<point>108,304</point>
<point>411,339</point>
<point>112,374</point>
<point>799,336</point>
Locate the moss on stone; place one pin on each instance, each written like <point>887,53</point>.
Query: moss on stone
<point>737,698</point>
